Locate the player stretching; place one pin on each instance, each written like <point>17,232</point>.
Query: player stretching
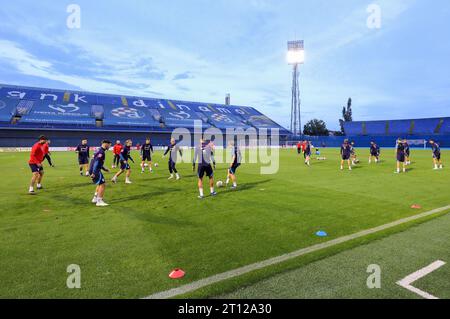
<point>83,156</point>
<point>308,153</point>
<point>35,162</point>
<point>146,155</point>
<point>374,152</point>
<point>95,171</point>
<point>346,152</point>
<point>235,163</point>
<point>116,151</point>
<point>125,155</point>
<point>436,155</point>
<point>202,156</point>
<point>407,153</point>
<point>400,156</point>
<point>46,148</point>
<point>173,149</point>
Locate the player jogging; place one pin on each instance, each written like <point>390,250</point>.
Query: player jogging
<point>299,148</point>
<point>95,171</point>
<point>125,156</point>
<point>400,156</point>
<point>374,152</point>
<point>116,151</point>
<point>83,157</point>
<point>202,156</point>
<point>436,148</point>
<point>173,149</point>
<point>36,158</point>
<point>346,152</point>
<point>236,158</point>
<point>146,155</point>
<point>307,153</point>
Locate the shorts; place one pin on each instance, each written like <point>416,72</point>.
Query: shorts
<point>99,179</point>
<point>307,154</point>
<point>205,170</point>
<point>374,154</point>
<point>36,169</point>
<point>233,168</point>
<point>124,166</point>
<point>401,158</point>
<point>437,156</point>
<point>83,160</point>
<point>147,157</point>
<point>345,157</point>
<point>407,153</point>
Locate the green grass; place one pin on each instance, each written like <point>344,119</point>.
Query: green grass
<point>127,250</point>
<point>345,274</point>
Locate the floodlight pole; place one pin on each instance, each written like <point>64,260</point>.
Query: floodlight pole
<point>296,119</point>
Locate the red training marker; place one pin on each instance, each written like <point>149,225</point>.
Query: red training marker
<point>177,274</point>
<point>416,206</point>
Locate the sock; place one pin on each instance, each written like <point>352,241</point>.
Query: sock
<point>99,199</point>
<point>39,185</point>
<point>201,191</point>
<point>96,194</point>
<point>234,184</point>
<point>211,189</point>
<point>178,175</point>
<point>228,181</point>
<point>31,189</point>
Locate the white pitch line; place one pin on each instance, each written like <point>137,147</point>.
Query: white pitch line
<point>276,260</point>
<point>409,280</point>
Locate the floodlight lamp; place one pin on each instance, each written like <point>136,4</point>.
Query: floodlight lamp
<point>296,52</point>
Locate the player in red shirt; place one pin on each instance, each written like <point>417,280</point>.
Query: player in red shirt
<point>36,158</point>
<point>299,148</point>
<point>117,149</point>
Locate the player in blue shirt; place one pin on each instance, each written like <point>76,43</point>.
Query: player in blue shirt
<point>346,153</point>
<point>83,156</point>
<point>436,148</point>
<point>236,158</point>
<point>400,150</point>
<point>95,171</point>
<point>125,157</point>
<point>173,148</point>
<point>407,152</point>
<point>374,152</point>
<point>202,156</point>
<point>146,155</point>
<point>307,153</point>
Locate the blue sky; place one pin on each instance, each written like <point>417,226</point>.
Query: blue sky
<point>202,49</point>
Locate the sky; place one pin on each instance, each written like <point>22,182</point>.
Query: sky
<point>199,50</point>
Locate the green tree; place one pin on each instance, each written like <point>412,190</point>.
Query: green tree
<point>316,127</point>
<point>347,115</point>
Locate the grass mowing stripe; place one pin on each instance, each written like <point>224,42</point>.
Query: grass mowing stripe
<point>276,260</point>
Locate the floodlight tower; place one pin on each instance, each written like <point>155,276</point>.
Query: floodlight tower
<point>295,57</point>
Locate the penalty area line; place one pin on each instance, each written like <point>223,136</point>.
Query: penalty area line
<point>410,279</point>
<point>193,286</point>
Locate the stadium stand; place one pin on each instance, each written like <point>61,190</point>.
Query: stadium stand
<point>431,126</point>
<point>25,111</point>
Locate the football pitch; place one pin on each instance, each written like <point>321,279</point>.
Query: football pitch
<point>127,250</point>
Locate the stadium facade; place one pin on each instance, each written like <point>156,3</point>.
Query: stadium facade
<point>66,116</point>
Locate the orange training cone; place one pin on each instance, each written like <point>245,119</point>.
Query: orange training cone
<point>177,274</point>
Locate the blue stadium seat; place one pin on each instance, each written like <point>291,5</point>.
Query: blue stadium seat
<point>375,128</point>
<point>121,116</point>
<point>353,128</point>
<point>57,115</point>
<point>400,128</point>
<point>426,126</point>
<point>445,129</point>
<point>7,109</point>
